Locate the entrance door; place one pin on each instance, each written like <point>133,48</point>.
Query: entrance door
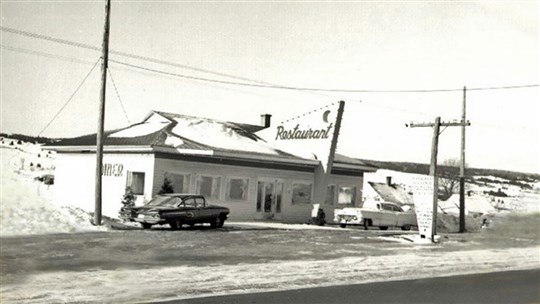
<point>269,197</point>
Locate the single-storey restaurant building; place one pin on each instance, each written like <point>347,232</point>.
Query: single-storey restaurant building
<point>225,161</point>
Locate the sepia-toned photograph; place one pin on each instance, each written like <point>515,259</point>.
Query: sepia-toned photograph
<point>269,152</point>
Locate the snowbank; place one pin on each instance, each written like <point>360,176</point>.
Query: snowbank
<point>26,204</point>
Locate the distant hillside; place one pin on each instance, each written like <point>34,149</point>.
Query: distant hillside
<point>408,167</point>
<point>31,139</point>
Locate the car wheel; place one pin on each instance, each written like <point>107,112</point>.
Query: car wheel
<point>175,224</point>
<point>221,221</point>
<point>342,225</point>
<point>218,222</point>
<point>406,227</point>
<point>146,225</point>
<point>383,227</point>
<point>366,224</point>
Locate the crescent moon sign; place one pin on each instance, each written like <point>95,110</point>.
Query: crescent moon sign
<point>325,116</point>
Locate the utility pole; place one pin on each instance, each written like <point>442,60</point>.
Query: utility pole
<point>101,115</point>
<point>433,172</point>
<point>462,168</point>
<point>433,164</point>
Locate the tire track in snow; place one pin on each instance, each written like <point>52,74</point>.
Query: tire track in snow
<point>146,285</point>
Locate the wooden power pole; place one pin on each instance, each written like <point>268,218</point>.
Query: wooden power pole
<point>101,115</point>
<point>433,164</point>
<point>462,167</point>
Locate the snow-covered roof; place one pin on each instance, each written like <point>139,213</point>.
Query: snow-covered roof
<point>185,134</point>
<point>180,132</point>
<point>393,193</point>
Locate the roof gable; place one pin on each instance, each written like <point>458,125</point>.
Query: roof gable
<point>393,193</point>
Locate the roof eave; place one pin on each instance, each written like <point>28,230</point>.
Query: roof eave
<point>127,148</point>
<point>169,149</point>
<point>267,158</point>
<point>354,167</point>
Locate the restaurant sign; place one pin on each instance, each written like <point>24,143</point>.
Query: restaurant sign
<point>298,133</point>
<point>308,135</point>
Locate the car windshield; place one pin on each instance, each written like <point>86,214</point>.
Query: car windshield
<point>163,201</point>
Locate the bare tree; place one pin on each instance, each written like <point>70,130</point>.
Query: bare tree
<point>449,178</point>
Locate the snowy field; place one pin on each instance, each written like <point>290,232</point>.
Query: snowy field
<point>147,285</point>
<point>28,209</point>
<point>28,205</point>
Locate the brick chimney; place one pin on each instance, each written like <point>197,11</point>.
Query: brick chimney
<point>389,180</point>
<point>265,120</point>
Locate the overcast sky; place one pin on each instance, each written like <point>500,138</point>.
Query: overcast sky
<point>409,45</point>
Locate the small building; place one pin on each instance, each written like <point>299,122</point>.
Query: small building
<point>387,192</point>
<point>227,162</point>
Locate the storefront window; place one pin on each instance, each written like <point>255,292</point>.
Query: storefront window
<point>330,194</point>
<point>347,195</point>
<point>135,180</point>
<point>179,182</point>
<point>237,189</point>
<point>301,194</point>
<point>209,186</point>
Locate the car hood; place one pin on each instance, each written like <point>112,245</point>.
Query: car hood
<point>352,210</point>
<point>143,209</point>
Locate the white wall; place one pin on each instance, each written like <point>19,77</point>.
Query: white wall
<point>75,180</point>
<point>246,210</point>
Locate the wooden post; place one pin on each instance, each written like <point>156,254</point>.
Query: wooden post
<point>335,136</point>
<point>322,175</point>
<point>433,166</point>
<point>101,115</point>
<point>433,172</point>
<point>462,168</point>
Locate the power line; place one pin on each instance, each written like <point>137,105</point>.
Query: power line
<point>95,48</point>
<point>144,58</point>
<point>71,59</point>
<point>118,95</point>
<point>313,89</point>
<point>503,87</point>
<point>70,98</point>
<point>43,54</point>
<point>255,83</point>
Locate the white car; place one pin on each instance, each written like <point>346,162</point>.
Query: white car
<point>383,216</point>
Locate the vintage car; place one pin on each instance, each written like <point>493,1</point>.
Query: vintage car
<point>383,215</point>
<point>177,210</point>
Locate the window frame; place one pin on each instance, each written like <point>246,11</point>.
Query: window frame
<point>228,190</point>
<point>186,181</point>
<point>304,183</point>
<point>354,194</point>
<point>199,177</point>
<point>130,179</point>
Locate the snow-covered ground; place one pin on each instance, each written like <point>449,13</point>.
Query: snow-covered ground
<point>147,285</point>
<point>27,207</point>
<point>479,200</point>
